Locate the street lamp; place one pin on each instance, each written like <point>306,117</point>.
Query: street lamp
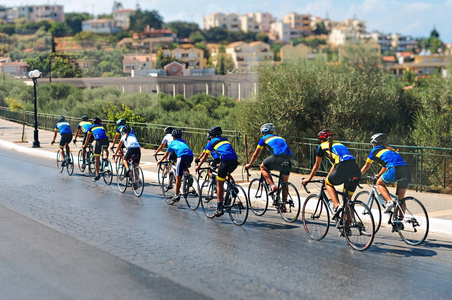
<point>34,75</point>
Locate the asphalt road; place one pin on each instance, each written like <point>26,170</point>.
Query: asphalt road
<point>70,238</point>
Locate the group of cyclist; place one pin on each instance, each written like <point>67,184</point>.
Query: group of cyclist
<point>344,169</point>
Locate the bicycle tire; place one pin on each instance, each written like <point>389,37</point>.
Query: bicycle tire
<point>168,187</point>
<point>80,161</point>
<point>70,164</point>
<point>238,209</point>
<point>91,164</point>
<point>107,172</point>
<point>121,179</point>
<point>290,210</point>
<point>373,204</point>
<point>118,163</point>
<point>59,162</point>
<point>192,193</point>
<point>361,232</point>
<point>415,221</point>
<point>208,199</point>
<point>258,196</point>
<point>316,217</point>
<point>138,181</point>
<point>160,172</point>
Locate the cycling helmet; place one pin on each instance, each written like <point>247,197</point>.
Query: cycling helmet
<point>121,122</point>
<point>168,130</point>
<point>61,119</point>
<point>96,120</point>
<point>84,118</point>
<point>324,133</point>
<point>378,138</point>
<point>126,129</point>
<point>208,137</point>
<point>267,127</point>
<point>177,133</point>
<point>215,131</point>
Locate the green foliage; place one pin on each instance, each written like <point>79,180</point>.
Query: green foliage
<point>14,104</point>
<point>183,29</point>
<point>222,63</point>
<point>196,37</point>
<point>74,21</point>
<point>115,112</point>
<point>262,36</point>
<point>140,19</point>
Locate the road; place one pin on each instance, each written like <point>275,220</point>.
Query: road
<point>70,238</point>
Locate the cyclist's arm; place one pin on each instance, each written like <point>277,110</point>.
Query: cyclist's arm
<point>119,148</point>
<point>366,167</point>
<point>76,134</point>
<point>203,158</point>
<point>88,136</point>
<point>159,148</point>
<point>115,139</point>
<point>254,157</point>
<point>382,171</point>
<point>54,135</point>
<point>165,156</point>
<point>318,161</point>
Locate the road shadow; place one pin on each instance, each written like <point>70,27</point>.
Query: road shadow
<point>404,250</point>
<point>269,225</point>
<point>434,243</point>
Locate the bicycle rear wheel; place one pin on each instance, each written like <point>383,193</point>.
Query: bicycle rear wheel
<point>138,181</point>
<point>118,163</point>
<point>108,172</point>
<point>411,221</point>
<point>168,187</point>
<point>208,198</point>
<point>316,217</point>
<point>258,196</point>
<point>80,161</point>
<point>361,231</point>
<point>238,209</point>
<point>192,193</point>
<point>60,162</point>
<point>91,164</point>
<point>160,172</point>
<point>70,163</point>
<point>374,206</point>
<point>121,179</point>
<point>289,209</point>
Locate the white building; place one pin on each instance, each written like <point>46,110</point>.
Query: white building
<point>122,18</point>
<point>36,13</point>
<point>100,26</point>
<point>285,32</point>
<point>256,22</point>
<point>230,22</point>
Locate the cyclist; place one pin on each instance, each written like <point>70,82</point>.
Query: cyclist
<point>120,125</point>
<point>344,169</point>
<point>216,158</point>
<point>393,168</point>
<point>100,136</point>
<point>280,159</point>
<point>228,161</point>
<point>167,139</point>
<point>130,141</point>
<point>184,158</point>
<point>64,128</point>
<point>83,128</point>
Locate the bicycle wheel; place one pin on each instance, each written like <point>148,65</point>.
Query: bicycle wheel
<point>208,198</point>
<point>59,162</point>
<point>360,230</point>
<point>168,187</point>
<point>91,164</point>
<point>374,206</point>
<point>411,221</point>
<point>138,181</point>
<point>118,163</point>
<point>238,208</point>
<point>289,209</point>
<point>258,196</point>
<point>192,193</point>
<point>316,217</point>
<point>70,163</point>
<point>80,161</point>
<point>107,172</point>
<point>121,179</point>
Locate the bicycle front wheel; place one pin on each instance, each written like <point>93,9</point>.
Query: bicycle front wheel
<point>80,161</point>
<point>60,162</point>
<point>108,172</point>
<point>118,163</point>
<point>121,179</point>
<point>208,198</point>
<point>289,209</point>
<point>91,164</point>
<point>160,172</point>
<point>168,187</point>
<point>316,217</point>
<point>411,221</point>
<point>258,196</point>
<point>238,209</point>
<point>192,193</point>
<point>70,163</point>
<point>374,206</point>
<point>138,181</point>
<point>359,228</point>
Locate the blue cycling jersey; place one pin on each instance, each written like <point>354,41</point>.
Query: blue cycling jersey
<point>179,147</point>
<point>63,127</point>
<point>385,157</point>
<point>276,144</point>
<point>84,126</point>
<point>98,131</point>
<point>119,129</point>
<point>222,147</point>
<point>338,152</point>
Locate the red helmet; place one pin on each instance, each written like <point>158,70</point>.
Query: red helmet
<point>324,133</point>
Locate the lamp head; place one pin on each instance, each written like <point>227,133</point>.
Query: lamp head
<point>34,74</point>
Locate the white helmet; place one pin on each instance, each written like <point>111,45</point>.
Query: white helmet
<point>267,127</point>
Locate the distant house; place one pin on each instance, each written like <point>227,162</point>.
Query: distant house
<point>85,63</point>
<point>36,13</point>
<point>122,18</point>
<point>149,39</point>
<point>138,62</point>
<point>100,26</point>
<point>175,69</point>
<point>193,57</point>
<point>289,52</point>
<point>423,64</point>
<point>248,56</point>
<point>16,69</point>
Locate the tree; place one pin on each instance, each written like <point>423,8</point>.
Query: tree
<point>74,21</point>
<point>117,6</point>
<point>183,29</point>
<point>140,19</point>
<point>222,64</point>
<point>320,29</point>
<point>60,29</point>
<point>196,37</point>
<point>434,33</point>
<point>262,36</point>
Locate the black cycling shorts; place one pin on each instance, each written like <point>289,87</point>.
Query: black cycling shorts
<point>225,168</point>
<point>172,156</point>
<point>182,163</point>
<point>99,144</point>
<point>343,172</point>
<point>281,163</point>
<point>66,138</point>
<point>134,153</point>
<point>91,139</point>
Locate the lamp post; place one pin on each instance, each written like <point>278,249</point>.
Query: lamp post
<point>34,75</point>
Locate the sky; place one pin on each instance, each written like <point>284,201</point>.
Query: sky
<point>407,17</point>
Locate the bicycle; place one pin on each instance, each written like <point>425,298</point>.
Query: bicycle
<point>161,168</point>
<point>354,220</point>
<point>189,187</point>
<point>67,162</point>
<point>133,176</point>
<point>89,154</point>
<point>258,195</point>
<point>105,167</point>
<point>409,217</point>
<point>235,201</point>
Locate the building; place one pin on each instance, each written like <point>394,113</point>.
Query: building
<point>299,21</point>
<point>85,63</point>
<point>402,42</point>
<point>16,69</point>
<point>230,22</point>
<point>423,65</point>
<point>342,35</point>
<point>122,18</point>
<point>193,57</point>
<point>138,62</point>
<point>247,57</point>
<point>36,13</point>
<point>256,22</point>
<point>100,26</point>
<point>289,52</point>
<point>175,69</point>
<point>284,32</point>
<point>148,40</point>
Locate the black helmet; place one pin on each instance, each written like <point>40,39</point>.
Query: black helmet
<point>267,127</point>
<point>97,120</point>
<point>208,137</point>
<point>168,130</point>
<point>84,118</point>
<point>126,129</point>
<point>378,138</point>
<point>121,122</point>
<point>324,133</point>
<point>215,131</point>
<point>61,119</point>
<point>177,133</point>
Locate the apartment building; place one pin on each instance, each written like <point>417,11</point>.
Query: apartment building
<point>256,22</point>
<point>100,26</point>
<point>284,32</point>
<point>289,52</point>
<point>36,13</point>
<point>122,18</point>
<point>423,65</point>
<point>342,35</point>
<point>299,21</point>
<point>228,21</point>
<point>148,40</point>
<point>247,57</point>
<point>138,62</point>
<point>193,57</point>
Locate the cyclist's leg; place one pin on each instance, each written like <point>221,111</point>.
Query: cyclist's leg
<point>266,166</point>
<point>97,152</point>
<point>388,177</point>
<point>182,163</point>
